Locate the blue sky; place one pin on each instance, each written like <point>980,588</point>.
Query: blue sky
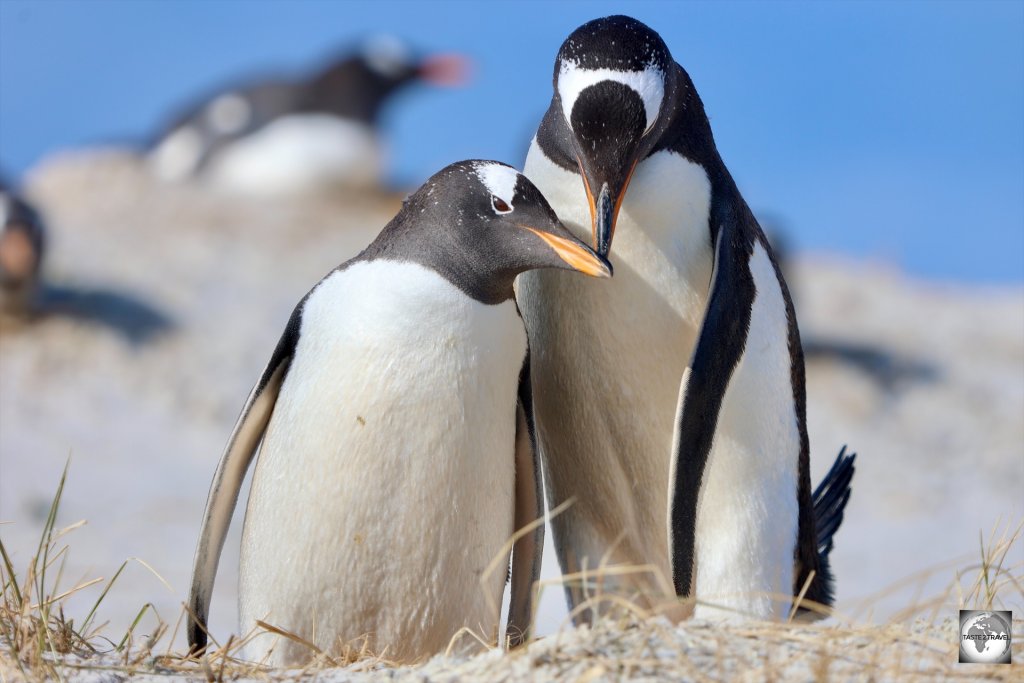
<point>885,130</point>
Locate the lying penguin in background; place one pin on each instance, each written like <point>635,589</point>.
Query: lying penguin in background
<point>670,401</point>
<point>287,136</point>
<point>22,241</point>
<point>397,457</point>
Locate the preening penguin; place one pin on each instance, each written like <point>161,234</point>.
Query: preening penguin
<point>22,241</point>
<point>670,402</point>
<point>396,456</point>
<point>282,136</point>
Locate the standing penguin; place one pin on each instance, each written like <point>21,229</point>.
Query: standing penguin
<point>22,241</point>
<point>396,456</point>
<point>670,402</point>
<point>283,136</point>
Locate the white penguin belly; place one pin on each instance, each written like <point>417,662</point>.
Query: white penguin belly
<point>297,153</point>
<point>384,486</point>
<point>626,340</point>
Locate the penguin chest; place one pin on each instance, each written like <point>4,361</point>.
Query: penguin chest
<point>610,355</point>
<point>384,487</point>
<point>299,152</point>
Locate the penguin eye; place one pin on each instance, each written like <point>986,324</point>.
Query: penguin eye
<point>500,205</point>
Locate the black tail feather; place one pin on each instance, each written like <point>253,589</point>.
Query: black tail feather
<point>829,502</point>
<point>830,499</point>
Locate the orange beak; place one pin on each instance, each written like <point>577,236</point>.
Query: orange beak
<point>448,70</point>
<point>577,256</point>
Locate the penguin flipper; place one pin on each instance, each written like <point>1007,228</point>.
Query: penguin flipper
<point>720,346</point>
<point>527,552</point>
<point>227,482</point>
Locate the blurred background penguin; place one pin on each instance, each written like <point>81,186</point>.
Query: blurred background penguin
<point>312,132</point>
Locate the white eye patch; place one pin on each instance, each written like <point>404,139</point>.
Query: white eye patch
<point>387,55</point>
<point>649,84</point>
<point>500,181</point>
<point>228,114</point>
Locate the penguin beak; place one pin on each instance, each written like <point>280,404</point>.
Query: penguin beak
<point>18,256</point>
<point>448,70</point>
<point>604,208</point>
<point>575,254</point>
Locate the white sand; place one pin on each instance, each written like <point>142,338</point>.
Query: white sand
<point>144,421</point>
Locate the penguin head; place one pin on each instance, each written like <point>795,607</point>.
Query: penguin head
<point>391,60</point>
<point>480,224</point>
<point>614,85</point>
<point>360,83</point>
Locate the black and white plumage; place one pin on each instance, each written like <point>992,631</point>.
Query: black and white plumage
<point>288,135</point>
<point>670,402</point>
<point>22,245</point>
<point>396,457</point>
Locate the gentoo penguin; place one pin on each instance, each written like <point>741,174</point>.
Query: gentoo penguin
<point>285,136</point>
<point>396,456</point>
<point>22,241</point>
<point>670,402</point>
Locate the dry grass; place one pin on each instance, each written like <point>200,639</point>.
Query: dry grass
<point>36,638</point>
<point>39,642</point>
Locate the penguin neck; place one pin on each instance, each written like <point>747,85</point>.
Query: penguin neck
<point>687,132</point>
<point>487,286</point>
<point>425,241</point>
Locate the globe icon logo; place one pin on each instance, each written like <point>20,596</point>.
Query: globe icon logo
<point>984,637</point>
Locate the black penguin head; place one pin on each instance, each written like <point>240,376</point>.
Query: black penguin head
<point>357,85</point>
<point>614,80</point>
<point>480,224</point>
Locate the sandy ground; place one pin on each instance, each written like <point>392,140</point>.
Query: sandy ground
<point>651,650</point>
<point>165,303</point>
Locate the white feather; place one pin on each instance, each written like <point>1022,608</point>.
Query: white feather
<point>649,84</point>
<point>299,152</point>
<point>385,483</point>
<point>500,180</point>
